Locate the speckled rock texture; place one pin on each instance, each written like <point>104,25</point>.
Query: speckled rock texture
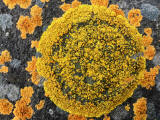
<point>21,52</point>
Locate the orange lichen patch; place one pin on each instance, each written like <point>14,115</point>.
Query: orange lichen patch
<point>65,6</point>
<point>140,109</point>
<point>106,117</point>
<point>10,3</point>
<point>116,9</point>
<point>36,20</point>
<point>75,3</point>
<point>149,78</point>
<point>25,25</point>
<point>36,17</point>
<point>24,3</point>
<point>100,2</point>
<point>149,52</point>
<point>36,11</point>
<point>76,117</point>
<point>55,18</point>
<point>27,92</point>
<point>35,78</point>
<point>5,57</point>
<point>33,71</point>
<point>22,111</point>
<point>135,17</point>
<point>147,40</point>
<point>40,105</point>
<point>4,69</point>
<point>5,107</point>
<point>31,65</point>
<point>34,44</point>
<point>148,31</point>
<point>44,1</point>
<point>127,107</point>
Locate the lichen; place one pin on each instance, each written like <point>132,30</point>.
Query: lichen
<point>88,61</point>
<point>5,107</point>
<point>140,109</point>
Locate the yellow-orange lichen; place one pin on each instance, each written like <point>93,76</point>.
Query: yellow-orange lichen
<point>5,57</point>
<point>135,17</point>
<point>25,25</point>
<point>24,3</point>
<point>22,110</point>
<point>10,3</point>
<point>149,52</point>
<point>116,9</point>
<point>76,117</point>
<point>65,6</point>
<point>5,107</point>
<point>34,44</point>
<point>100,2</point>
<point>149,78</point>
<point>3,69</point>
<point>40,105</point>
<point>140,109</point>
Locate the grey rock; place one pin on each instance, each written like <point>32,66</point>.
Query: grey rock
<point>150,12</point>
<point>5,21</point>
<point>15,63</point>
<point>13,92</point>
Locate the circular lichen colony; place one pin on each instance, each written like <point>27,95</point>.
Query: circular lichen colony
<point>92,60</point>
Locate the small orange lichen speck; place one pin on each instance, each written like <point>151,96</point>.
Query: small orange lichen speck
<point>127,107</point>
<point>100,2</point>
<point>106,117</point>
<point>22,110</point>
<point>149,52</point>
<point>140,109</point>
<point>44,1</point>
<point>10,3</point>
<point>34,44</point>
<point>5,107</point>
<point>116,9</point>
<point>75,3</point>
<point>65,6</point>
<point>149,78</point>
<point>135,17</point>
<point>76,117</point>
<point>40,105</point>
<point>4,69</point>
<point>5,57</point>
<point>27,92</point>
<point>25,25</point>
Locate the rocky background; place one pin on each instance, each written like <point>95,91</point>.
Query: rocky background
<point>21,52</point>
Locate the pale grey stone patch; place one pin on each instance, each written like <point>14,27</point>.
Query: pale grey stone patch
<point>150,12</point>
<point>13,92</point>
<point>5,21</point>
<point>15,63</point>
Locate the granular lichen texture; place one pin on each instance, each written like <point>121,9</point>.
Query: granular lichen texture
<point>92,59</point>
